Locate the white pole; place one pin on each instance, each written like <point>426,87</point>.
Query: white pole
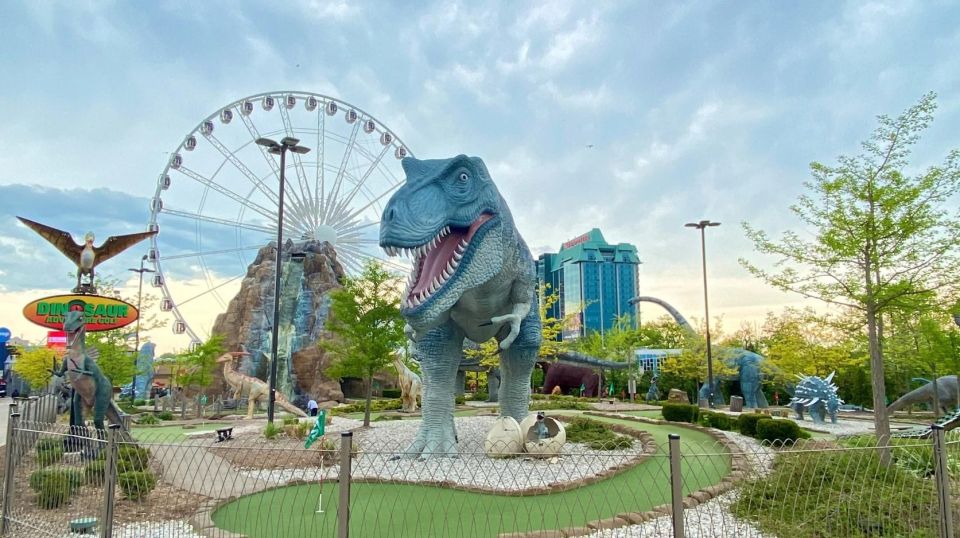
<point>320,501</point>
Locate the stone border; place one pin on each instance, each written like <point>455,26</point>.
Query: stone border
<point>738,470</point>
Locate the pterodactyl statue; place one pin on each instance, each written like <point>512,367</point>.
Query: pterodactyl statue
<point>86,256</point>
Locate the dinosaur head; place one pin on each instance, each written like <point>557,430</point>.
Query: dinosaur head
<point>88,238</point>
<point>73,323</point>
<point>231,356</point>
<point>449,217</point>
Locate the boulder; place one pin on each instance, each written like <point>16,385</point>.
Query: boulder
<point>678,396</point>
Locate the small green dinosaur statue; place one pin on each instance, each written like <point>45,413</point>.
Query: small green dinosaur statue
<point>91,389</point>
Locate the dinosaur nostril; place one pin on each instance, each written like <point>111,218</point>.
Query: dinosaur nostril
<point>391,213</point>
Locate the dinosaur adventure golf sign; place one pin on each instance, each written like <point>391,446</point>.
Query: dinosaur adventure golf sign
<point>99,313</point>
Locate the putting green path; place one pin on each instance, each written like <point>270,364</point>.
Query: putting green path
<point>396,510</point>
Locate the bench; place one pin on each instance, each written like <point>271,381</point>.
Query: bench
<point>224,434</point>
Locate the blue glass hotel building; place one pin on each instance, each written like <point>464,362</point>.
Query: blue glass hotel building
<point>593,278</point>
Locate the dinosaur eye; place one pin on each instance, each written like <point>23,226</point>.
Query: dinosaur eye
<point>464,176</point>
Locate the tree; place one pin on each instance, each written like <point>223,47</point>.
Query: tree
<point>365,319</point>
<point>876,236</point>
<point>194,369</point>
<point>34,365</point>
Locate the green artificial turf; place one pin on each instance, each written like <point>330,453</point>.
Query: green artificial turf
<point>173,433</point>
<point>397,510</point>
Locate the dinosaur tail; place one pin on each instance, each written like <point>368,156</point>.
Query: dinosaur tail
<point>572,357</point>
<point>677,316</point>
<point>282,402</point>
<point>912,397</point>
<point>115,416</point>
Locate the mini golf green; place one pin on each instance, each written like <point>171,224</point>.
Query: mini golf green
<point>173,432</point>
<point>378,509</point>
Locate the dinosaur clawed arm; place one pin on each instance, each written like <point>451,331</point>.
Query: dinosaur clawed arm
<point>520,311</point>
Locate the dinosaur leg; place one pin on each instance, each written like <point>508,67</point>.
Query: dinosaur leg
<point>102,401</point>
<point>440,351</point>
<point>516,365</point>
<point>251,402</point>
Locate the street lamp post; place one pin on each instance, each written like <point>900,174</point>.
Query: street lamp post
<point>136,347</point>
<point>286,144</point>
<point>702,225</point>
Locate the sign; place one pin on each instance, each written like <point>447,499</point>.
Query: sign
<point>4,334</point>
<point>99,313</point>
<point>577,240</point>
<point>57,339</point>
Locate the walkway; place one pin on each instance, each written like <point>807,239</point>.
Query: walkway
<point>190,466</point>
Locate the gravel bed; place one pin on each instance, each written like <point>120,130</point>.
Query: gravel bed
<point>381,445</point>
<point>712,518</point>
<point>143,529</point>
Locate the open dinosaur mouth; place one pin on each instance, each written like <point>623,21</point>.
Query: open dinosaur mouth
<point>437,260</point>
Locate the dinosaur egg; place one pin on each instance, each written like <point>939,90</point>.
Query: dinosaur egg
<point>551,444</point>
<point>504,438</point>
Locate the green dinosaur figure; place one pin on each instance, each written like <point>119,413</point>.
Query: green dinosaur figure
<point>91,389</point>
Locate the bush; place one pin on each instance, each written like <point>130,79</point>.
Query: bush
<point>711,419</point>
<point>677,412</point>
<point>544,405</point>
<point>480,396</point>
<point>290,421</point>
<point>132,459</point>
<point>147,418</point>
<point>383,418</point>
<point>298,430</point>
<point>782,431</point>
<point>55,486</point>
<point>460,400</point>
<point>747,423</point>
<point>49,451</point>
<point>165,415</point>
<point>136,484</point>
<point>94,472</point>
<point>271,431</point>
<point>139,401</point>
<point>596,435</point>
<point>392,393</point>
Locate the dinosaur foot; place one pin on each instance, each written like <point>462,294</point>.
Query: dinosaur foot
<point>435,442</point>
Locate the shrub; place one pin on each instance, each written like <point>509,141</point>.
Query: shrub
<point>596,435</point>
<point>165,415</point>
<point>148,418</point>
<point>677,412</point>
<point>711,419</point>
<point>49,451</point>
<point>290,421</point>
<point>271,431</point>
<point>136,484</point>
<point>383,418</point>
<point>782,431</point>
<point>139,401</point>
<point>132,459</point>
<point>298,430</point>
<point>392,393</point>
<point>480,396</point>
<point>747,423</point>
<point>460,400</point>
<point>94,472</point>
<point>55,486</point>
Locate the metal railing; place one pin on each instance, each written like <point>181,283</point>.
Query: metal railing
<point>672,480</point>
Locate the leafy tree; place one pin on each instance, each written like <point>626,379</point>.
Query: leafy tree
<point>116,359</point>
<point>365,318</point>
<point>194,369</point>
<point>34,365</point>
<point>876,236</point>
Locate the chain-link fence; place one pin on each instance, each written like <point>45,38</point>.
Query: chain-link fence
<point>630,477</point>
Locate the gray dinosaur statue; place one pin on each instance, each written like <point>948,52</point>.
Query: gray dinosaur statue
<point>818,396</point>
<point>473,277</point>
<point>948,392</point>
<point>746,362</point>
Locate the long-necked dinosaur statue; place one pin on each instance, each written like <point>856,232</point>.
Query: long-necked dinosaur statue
<point>91,389</point>
<point>256,389</point>
<point>410,385</point>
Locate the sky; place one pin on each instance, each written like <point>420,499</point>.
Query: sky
<point>632,117</point>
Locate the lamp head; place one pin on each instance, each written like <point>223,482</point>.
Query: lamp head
<point>289,141</point>
<point>267,143</point>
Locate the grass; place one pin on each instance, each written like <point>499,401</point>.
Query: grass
<point>173,433</point>
<point>420,510</point>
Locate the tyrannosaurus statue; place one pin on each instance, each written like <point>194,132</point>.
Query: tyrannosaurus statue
<point>473,277</point>
<point>91,389</point>
<point>256,389</point>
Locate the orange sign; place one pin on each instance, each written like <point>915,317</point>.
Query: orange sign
<point>99,313</point>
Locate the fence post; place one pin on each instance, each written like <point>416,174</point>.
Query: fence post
<point>109,482</point>
<point>343,510</point>
<point>942,480</point>
<point>9,468</point>
<point>676,481</point>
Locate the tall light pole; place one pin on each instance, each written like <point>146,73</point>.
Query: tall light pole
<point>286,144</point>
<point>702,225</point>
<point>136,347</point>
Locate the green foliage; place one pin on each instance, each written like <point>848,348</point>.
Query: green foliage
<point>94,472</point>
<point>853,495</point>
<point>117,360</point>
<point>194,369</point>
<point>136,484</point>
<point>375,405</point>
<point>366,322</point>
<point>747,423</point>
<point>297,430</point>
<point>49,451</point>
<point>460,400</point>
<point>290,421</point>
<point>165,415</point>
<point>272,431</point>
<point>132,459</point>
<point>34,365</point>
<point>545,405</point>
<point>596,435</point>
<point>480,396</point>
<point>677,412</point>
<point>55,486</point>
<point>139,402</point>
<point>147,419</point>
<point>779,431</point>
<point>712,419</point>
<point>392,393</point>
<point>384,418</point>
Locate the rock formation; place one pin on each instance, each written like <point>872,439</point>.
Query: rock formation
<point>310,272</point>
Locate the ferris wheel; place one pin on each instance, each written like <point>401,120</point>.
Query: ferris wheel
<point>216,201</point>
